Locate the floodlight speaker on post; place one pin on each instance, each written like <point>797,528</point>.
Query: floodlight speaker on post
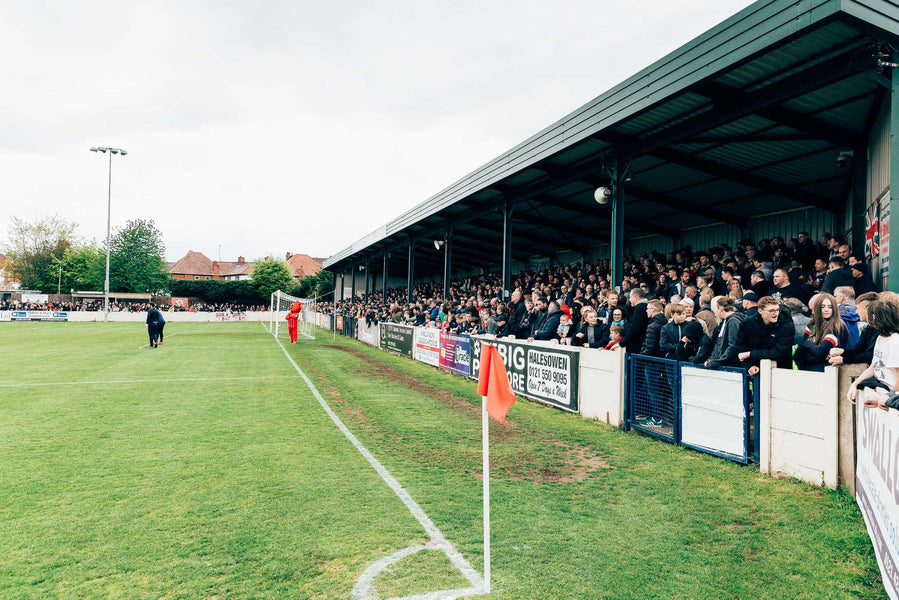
<point>602,195</point>
<point>438,244</point>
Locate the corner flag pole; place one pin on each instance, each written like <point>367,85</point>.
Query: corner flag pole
<point>485,435</point>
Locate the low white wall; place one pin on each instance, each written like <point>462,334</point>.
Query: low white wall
<point>601,385</point>
<point>170,317</point>
<point>798,425</point>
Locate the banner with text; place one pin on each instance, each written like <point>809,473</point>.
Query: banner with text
<point>540,372</point>
<point>38,315</point>
<point>397,338</point>
<point>877,489</point>
<point>455,353</point>
<point>369,334</point>
<point>230,316</point>
<point>427,345</point>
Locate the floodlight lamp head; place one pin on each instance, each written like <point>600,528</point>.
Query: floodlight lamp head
<point>438,244</point>
<point>124,152</point>
<point>602,195</point>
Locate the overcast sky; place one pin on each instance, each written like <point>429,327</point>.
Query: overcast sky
<point>259,128</point>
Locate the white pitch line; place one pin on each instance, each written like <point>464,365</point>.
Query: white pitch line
<point>146,381</point>
<point>438,540</point>
<point>148,343</point>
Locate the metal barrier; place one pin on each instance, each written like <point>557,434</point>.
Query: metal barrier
<point>710,410</point>
<point>652,393</point>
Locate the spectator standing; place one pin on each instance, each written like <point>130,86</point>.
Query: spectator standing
<point>825,331</point>
<point>884,316</point>
<point>636,328</point>
<point>800,319</point>
<point>657,320</point>
<point>863,351</point>
<point>845,296</point>
<point>768,334</point>
<point>590,332</point>
<point>862,279</point>
<point>837,274</point>
<point>680,339</point>
<point>724,338</point>
<point>550,325</point>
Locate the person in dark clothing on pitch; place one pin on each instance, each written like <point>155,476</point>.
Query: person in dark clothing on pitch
<point>153,319</point>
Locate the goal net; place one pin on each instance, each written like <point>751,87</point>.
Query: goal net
<point>280,306</point>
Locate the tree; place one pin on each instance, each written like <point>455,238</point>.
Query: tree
<point>270,275</point>
<point>321,284</point>
<point>34,248</point>
<point>135,263</point>
<point>82,268</point>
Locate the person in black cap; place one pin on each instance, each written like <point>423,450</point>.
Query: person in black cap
<point>750,303</point>
<point>863,282</point>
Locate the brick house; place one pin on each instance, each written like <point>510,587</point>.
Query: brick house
<point>196,265</point>
<point>302,265</point>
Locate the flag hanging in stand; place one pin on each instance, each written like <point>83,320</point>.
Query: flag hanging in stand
<point>494,383</point>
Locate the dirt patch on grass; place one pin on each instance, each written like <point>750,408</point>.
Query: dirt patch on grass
<point>571,462</point>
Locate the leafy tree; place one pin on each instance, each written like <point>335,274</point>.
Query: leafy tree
<point>214,291</point>
<point>34,248</point>
<point>321,284</point>
<point>136,263</point>
<point>270,275</point>
<point>82,268</point>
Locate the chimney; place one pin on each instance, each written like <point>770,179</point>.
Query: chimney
<point>215,267</point>
<point>287,256</point>
<point>241,260</point>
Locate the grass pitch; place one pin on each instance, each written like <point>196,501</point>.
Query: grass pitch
<point>206,469</point>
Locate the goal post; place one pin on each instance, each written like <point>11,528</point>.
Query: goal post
<point>280,305</point>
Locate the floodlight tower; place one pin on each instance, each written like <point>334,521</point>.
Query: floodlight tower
<point>104,150</point>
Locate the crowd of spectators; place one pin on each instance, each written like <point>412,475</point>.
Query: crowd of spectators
<point>796,301</point>
<point>97,305</point>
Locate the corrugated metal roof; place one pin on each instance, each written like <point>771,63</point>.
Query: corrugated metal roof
<point>770,41</point>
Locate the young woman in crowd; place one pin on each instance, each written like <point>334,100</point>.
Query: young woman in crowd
<point>824,331</point>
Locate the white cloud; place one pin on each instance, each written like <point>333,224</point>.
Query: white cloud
<point>294,126</point>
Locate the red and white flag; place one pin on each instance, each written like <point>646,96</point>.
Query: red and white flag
<point>494,383</point>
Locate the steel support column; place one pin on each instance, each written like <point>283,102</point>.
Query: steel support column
<point>384,274</point>
<point>409,271</point>
<point>616,174</point>
<point>447,261</point>
<point>507,250</point>
<point>367,279</point>
<point>353,269</point>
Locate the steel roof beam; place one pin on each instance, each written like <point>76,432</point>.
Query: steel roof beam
<point>745,178</point>
<point>815,77</point>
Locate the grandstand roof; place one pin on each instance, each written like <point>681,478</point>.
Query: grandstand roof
<point>748,118</point>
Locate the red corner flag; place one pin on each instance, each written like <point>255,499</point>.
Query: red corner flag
<point>494,383</point>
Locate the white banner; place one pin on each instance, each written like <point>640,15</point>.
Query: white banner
<point>5,315</point>
<point>230,316</point>
<point>877,488</point>
<point>38,315</point>
<point>371,335</point>
<point>427,345</point>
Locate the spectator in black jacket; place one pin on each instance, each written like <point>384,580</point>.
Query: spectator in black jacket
<point>549,327</point>
<point>680,338</point>
<point>720,350</point>
<point>837,274</point>
<point>517,311</point>
<point>590,332</point>
<point>657,320</point>
<point>766,335</point>
<point>863,281</point>
<point>636,327</point>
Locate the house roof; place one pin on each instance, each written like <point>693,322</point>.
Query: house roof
<point>197,263</point>
<point>192,263</point>
<point>303,265</point>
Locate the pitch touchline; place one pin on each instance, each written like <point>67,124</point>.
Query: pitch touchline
<point>438,540</point>
<point>147,380</point>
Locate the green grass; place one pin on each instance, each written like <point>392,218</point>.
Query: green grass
<point>237,485</point>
